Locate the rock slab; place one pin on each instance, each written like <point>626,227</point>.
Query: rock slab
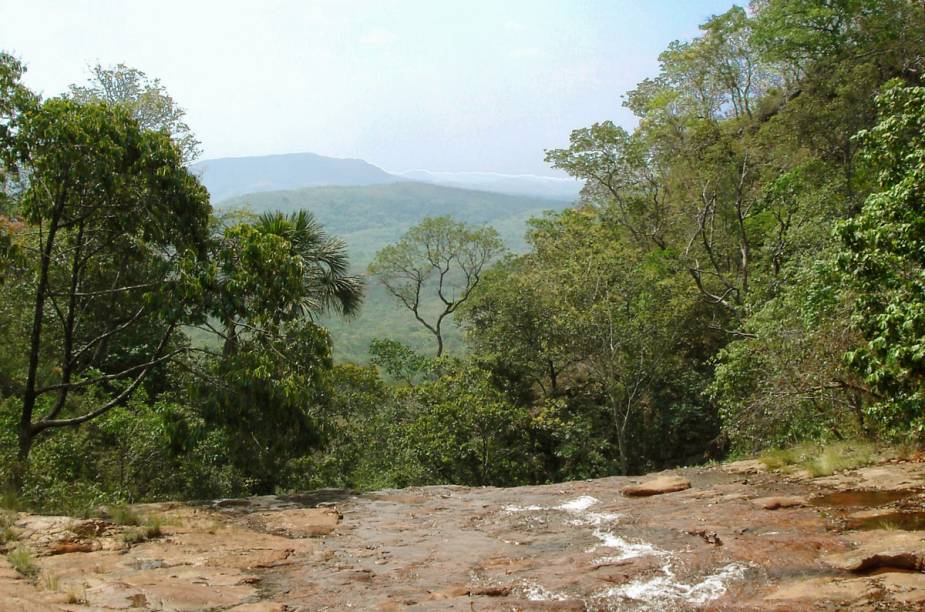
<point>657,486</point>
<point>780,501</point>
<point>882,549</point>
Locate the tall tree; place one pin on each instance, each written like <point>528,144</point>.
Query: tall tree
<point>884,255</point>
<point>265,391</point>
<point>118,226</point>
<point>145,98</point>
<point>434,268</point>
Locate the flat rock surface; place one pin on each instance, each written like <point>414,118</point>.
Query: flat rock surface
<point>580,545</point>
<point>880,550</point>
<point>668,483</point>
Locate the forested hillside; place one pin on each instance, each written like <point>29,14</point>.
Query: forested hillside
<point>744,270</point>
<point>368,218</point>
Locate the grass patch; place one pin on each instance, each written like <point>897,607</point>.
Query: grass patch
<point>22,561</point>
<point>123,515</point>
<point>7,533</point>
<point>150,530</point>
<point>840,456</point>
<point>888,525</point>
<point>777,458</point>
<point>10,500</point>
<point>50,581</point>
<point>819,459</point>
<point>906,450</point>
<point>152,527</point>
<point>76,597</point>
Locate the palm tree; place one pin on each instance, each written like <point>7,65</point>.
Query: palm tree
<point>327,285</point>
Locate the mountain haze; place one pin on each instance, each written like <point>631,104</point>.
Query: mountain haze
<point>551,187</point>
<point>369,217</point>
<point>230,177</point>
<point>370,208</point>
<point>233,176</point>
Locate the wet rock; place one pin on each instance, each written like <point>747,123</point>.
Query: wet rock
<point>231,503</point>
<point>777,502</point>
<point>878,550</point>
<point>91,528</point>
<point>908,589</point>
<point>669,483</point>
<point>861,498</point>
<point>710,537</point>
<point>835,590</point>
<point>263,606</point>
<point>67,546</point>
<point>577,545</point>
<point>57,535</point>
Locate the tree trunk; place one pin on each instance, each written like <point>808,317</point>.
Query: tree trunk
<point>439,336</point>
<point>621,437</point>
<point>26,431</point>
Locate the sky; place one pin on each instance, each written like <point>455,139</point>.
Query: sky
<point>442,85</point>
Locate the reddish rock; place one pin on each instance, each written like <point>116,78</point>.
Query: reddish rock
<point>657,486</point>
<point>66,546</point>
<point>881,549</point>
<point>774,503</point>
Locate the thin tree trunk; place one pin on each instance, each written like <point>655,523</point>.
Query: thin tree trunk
<point>26,432</point>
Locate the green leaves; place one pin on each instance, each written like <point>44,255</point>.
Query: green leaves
<point>435,267</point>
<point>884,254</point>
<point>145,99</point>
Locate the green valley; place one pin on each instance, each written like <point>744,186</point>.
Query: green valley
<point>369,217</point>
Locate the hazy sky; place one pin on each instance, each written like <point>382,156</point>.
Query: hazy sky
<point>446,85</point>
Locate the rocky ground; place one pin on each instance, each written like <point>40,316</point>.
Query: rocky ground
<point>733,537</point>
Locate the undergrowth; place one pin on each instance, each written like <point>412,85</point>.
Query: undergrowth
<point>826,459</point>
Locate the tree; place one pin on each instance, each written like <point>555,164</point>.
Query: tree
<point>460,429</point>
<point>278,269</point>
<point>118,230</point>
<point>145,98</point>
<point>619,174</point>
<point>268,279</point>
<point>267,398</point>
<point>884,256</point>
<point>616,311</point>
<point>440,257</point>
<point>685,180</point>
<point>510,325</point>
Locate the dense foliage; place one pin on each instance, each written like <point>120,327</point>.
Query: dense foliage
<point>744,269</point>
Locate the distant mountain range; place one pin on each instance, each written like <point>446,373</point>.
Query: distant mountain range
<point>229,177</point>
<point>551,187</point>
<point>369,208</point>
